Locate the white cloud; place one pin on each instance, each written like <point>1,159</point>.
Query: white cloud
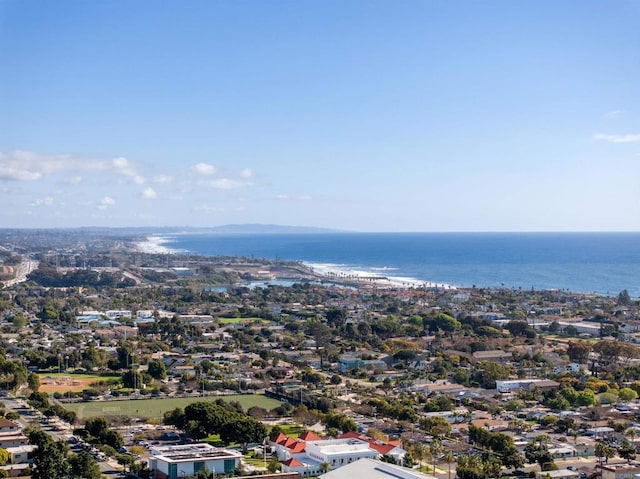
<point>149,194</point>
<point>30,166</point>
<point>163,179</point>
<point>122,166</point>
<point>208,209</point>
<point>205,169</point>
<point>295,198</point>
<point>246,173</point>
<point>74,180</point>
<point>630,138</point>
<point>46,201</point>
<point>225,184</point>
<point>106,202</point>
<point>610,115</point>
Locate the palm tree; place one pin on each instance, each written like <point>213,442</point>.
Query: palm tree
<point>418,452</point>
<point>631,433</point>
<point>449,457</point>
<point>435,448</point>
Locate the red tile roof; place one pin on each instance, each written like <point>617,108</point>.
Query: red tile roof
<point>309,436</point>
<point>297,447</point>
<point>293,462</point>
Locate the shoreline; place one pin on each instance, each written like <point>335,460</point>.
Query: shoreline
<point>362,276</point>
<point>336,272</point>
<point>154,245</point>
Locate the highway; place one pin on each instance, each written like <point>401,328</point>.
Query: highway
<point>22,271</point>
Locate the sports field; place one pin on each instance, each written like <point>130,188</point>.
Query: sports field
<point>155,408</point>
<point>64,382</point>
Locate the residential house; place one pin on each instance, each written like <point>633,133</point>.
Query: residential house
<point>559,474</point>
<point>620,471</point>
<point>497,356</point>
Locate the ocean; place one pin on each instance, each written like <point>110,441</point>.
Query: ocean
<point>603,263</point>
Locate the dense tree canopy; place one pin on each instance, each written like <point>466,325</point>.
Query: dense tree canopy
<point>201,419</point>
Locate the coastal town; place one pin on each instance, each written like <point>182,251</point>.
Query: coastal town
<point>120,361</point>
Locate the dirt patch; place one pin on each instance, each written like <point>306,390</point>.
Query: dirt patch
<point>64,384</point>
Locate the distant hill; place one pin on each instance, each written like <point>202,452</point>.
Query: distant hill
<point>267,229</point>
<point>254,228</point>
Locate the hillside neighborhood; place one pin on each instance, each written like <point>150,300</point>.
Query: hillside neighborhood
<point>121,363</point>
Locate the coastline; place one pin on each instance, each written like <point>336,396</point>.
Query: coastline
<point>155,245</point>
<point>337,272</point>
<point>373,277</point>
<point>578,263</point>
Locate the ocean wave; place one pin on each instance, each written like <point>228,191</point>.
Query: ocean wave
<point>356,273</point>
<point>156,245</point>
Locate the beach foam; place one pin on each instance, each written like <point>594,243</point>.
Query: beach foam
<point>373,276</point>
<point>155,245</point>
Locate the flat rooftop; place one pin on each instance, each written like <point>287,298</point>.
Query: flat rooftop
<point>192,452</point>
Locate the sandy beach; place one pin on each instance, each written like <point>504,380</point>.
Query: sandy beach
<point>154,245</point>
<point>375,278</point>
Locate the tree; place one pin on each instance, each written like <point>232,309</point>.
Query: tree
<point>49,458</point>
<point>604,451</point>
<point>449,458</point>
<point>98,431</point>
<point>336,317</point>
<point>627,451</point>
<point>444,322</point>
<point>274,465</point>
<point>520,328</point>
<point>33,381</point>
<point>82,466</point>
<point>623,298</point>
<point>470,467</point>
<point>132,379</point>
<point>19,321</point>
<point>586,398</point>
<point>627,394</point>
<point>435,448</point>
<point>126,355</point>
<point>4,456</point>
<point>435,425</point>
<point>537,451</point>
<point>243,430</point>
<point>418,451</point>
<point>96,426</point>
<point>157,369</point>
<point>126,461</point>
<point>578,351</point>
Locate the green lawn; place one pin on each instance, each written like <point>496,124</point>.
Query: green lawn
<point>292,430</point>
<point>155,408</point>
<point>241,320</point>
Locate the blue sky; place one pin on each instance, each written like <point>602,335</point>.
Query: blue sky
<point>359,115</point>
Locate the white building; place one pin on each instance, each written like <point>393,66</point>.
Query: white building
<point>338,452</point>
<point>559,474</point>
<point>21,454</point>
<point>513,385</point>
<point>118,314</point>
<point>174,462</point>
<point>372,469</point>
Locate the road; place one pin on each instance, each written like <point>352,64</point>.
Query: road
<point>57,429</point>
<point>22,271</point>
